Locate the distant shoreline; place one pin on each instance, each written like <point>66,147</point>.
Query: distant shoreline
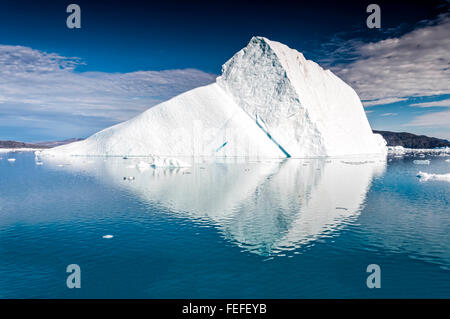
<point>412,141</point>
<point>404,139</point>
<point>14,145</point>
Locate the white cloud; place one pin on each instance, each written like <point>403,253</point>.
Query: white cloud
<point>443,103</point>
<point>383,101</point>
<point>414,64</point>
<point>47,90</point>
<point>432,119</point>
<point>389,114</point>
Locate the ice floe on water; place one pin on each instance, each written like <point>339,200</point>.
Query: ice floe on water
<point>157,161</point>
<point>357,162</point>
<point>14,150</point>
<point>107,236</point>
<point>420,152</point>
<point>421,162</point>
<point>436,177</point>
<point>11,159</point>
<point>143,166</point>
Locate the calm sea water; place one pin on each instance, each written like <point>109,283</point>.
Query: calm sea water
<point>224,229</point>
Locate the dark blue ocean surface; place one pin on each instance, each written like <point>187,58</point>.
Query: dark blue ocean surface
<point>224,229</point>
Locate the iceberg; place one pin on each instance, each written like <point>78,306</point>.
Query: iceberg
<point>269,102</point>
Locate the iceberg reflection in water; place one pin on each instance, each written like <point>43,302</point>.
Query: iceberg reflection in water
<point>265,207</point>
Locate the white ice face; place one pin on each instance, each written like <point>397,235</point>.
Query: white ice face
<point>306,109</point>
<point>270,102</point>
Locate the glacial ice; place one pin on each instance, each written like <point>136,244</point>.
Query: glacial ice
<point>307,110</point>
<point>437,177</point>
<point>269,102</point>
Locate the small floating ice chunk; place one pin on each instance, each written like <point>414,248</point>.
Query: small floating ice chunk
<point>437,177</point>
<point>355,162</point>
<point>107,236</point>
<point>142,166</point>
<point>11,159</point>
<point>421,162</point>
<point>156,161</point>
<point>39,163</point>
<point>447,160</point>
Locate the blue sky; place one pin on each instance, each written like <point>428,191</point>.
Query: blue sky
<point>58,83</point>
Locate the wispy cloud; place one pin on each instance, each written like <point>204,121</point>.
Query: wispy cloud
<point>443,103</point>
<point>414,64</point>
<point>45,90</point>
<point>402,65</point>
<point>432,119</point>
<point>383,101</point>
<point>389,114</point>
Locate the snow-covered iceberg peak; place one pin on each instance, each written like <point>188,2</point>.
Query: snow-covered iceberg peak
<point>269,102</point>
<point>307,110</point>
